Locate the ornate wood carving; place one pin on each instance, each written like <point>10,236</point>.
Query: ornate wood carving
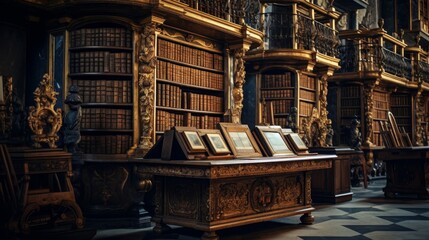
<point>420,115</point>
<point>184,200</point>
<point>368,92</point>
<point>6,106</point>
<point>235,170</point>
<point>189,38</point>
<point>237,91</point>
<point>146,81</point>
<point>44,121</point>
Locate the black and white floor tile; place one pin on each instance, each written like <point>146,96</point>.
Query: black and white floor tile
<point>368,216</point>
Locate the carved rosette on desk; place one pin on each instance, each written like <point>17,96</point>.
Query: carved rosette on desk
<point>43,120</point>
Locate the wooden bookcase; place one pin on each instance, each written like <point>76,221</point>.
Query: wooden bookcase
<point>381,107</point>
<point>307,95</point>
<point>400,106</point>
<point>101,66</point>
<point>278,88</point>
<point>349,107</point>
<point>189,85</point>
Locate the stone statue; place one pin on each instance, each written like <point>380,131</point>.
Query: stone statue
<point>291,119</point>
<point>72,119</point>
<point>329,134</point>
<point>355,135</point>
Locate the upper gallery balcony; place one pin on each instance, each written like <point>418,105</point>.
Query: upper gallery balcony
<point>372,53</point>
<point>299,33</point>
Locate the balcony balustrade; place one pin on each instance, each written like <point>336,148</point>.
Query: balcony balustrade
<point>283,32</point>
<point>373,57</point>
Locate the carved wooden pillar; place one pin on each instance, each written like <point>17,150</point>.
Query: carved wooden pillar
<point>237,91</point>
<point>323,105</point>
<point>147,60</point>
<point>369,107</point>
<point>420,115</point>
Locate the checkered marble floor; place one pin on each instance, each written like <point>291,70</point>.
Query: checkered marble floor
<point>368,216</point>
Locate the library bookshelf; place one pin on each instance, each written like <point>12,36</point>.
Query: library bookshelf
<point>401,106</point>
<point>100,64</point>
<point>381,107</point>
<point>307,94</point>
<point>189,84</point>
<point>278,88</point>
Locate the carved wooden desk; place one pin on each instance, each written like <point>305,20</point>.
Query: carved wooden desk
<point>407,171</point>
<point>333,185</point>
<point>217,194</point>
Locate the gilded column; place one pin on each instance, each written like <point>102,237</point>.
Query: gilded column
<point>323,101</point>
<point>420,116</point>
<point>369,107</point>
<point>237,91</point>
<point>146,81</point>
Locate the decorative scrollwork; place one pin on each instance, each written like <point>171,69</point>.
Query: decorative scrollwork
<point>146,78</point>
<point>368,92</point>
<point>237,91</point>
<point>44,121</point>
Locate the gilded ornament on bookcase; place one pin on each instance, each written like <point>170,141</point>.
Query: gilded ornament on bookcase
<point>6,106</point>
<point>45,121</point>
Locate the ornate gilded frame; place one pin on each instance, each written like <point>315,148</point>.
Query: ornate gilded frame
<point>240,140</point>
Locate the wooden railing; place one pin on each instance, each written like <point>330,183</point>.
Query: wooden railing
<point>282,32</point>
<point>373,57</point>
<point>236,11</point>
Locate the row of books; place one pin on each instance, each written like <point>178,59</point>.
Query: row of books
<point>401,111</point>
<point>168,95</point>
<point>350,102</point>
<point>106,118</point>
<point>305,108</point>
<point>215,8</point>
<point>380,105</point>
<point>101,62</point>
<point>104,91</point>
<point>380,96</point>
<point>105,144</point>
<point>186,54</point>
<point>188,75</point>
<point>307,81</point>
<point>350,112</point>
<point>202,102</point>
<point>101,36</point>
<point>277,80</point>
<point>401,100</point>
<point>282,121</point>
<point>308,95</point>
<point>282,106</point>
<point>165,120</point>
<point>281,93</point>
<point>350,91</point>
<point>380,114</point>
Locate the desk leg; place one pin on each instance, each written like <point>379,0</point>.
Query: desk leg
<point>307,218</point>
<point>210,236</point>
